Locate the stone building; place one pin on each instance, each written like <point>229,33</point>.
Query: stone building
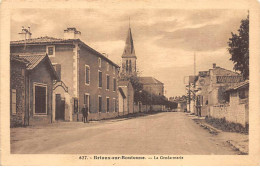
<point>87,76</point>
<point>211,86</point>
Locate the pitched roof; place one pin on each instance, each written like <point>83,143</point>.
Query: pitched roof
<point>149,80</point>
<point>238,86</point>
<point>129,50</point>
<point>51,40</point>
<point>219,71</point>
<point>35,60</point>
<point>45,39</point>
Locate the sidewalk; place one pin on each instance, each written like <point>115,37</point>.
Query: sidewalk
<point>237,141</point>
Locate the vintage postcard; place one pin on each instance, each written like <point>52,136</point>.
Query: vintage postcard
<point>130,82</point>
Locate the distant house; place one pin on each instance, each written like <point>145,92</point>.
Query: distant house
<point>34,103</point>
<point>126,97</point>
<point>87,76</point>
<point>152,85</point>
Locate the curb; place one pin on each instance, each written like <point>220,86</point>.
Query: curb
<point>237,148</point>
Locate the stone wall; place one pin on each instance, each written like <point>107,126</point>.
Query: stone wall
<point>17,82</point>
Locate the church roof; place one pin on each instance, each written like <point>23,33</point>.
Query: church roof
<point>129,50</point>
<point>149,80</point>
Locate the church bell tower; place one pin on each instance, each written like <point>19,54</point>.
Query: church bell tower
<point>128,56</point>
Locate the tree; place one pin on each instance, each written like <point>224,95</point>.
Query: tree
<point>239,48</point>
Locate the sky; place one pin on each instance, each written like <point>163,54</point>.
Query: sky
<point>165,40</point>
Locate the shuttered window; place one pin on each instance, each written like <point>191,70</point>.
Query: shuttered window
<point>87,74</point>
<point>99,104</point>
<point>114,81</point>
<point>107,104</point>
<point>13,101</point>
<point>108,81</point>
<point>99,79</point>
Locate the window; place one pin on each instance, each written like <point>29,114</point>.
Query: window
<point>99,79</point>
<point>99,104</point>
<point>50,50</point>
<point>87,101</point>
<point>40,99</point>
<point>107,104</point>
<point>107,66</point>
<point>126,65</point>
<point>114,84</point>
<point>99,62</point>
<point>76,105</point>
<point>130,66</point>
<point>115,109</point>
<point>242,94</point>
<point>108,79</point>
<point>13,97</point>
<point>87,75</point>
<point>114,69</point>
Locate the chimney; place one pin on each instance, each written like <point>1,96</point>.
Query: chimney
<point>25,34</point>
<point>72,33</point>
<point>214,65</point>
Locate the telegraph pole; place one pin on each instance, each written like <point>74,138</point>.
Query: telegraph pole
<point>189,97</point>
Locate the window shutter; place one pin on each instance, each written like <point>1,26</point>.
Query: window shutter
<point>13,101</point>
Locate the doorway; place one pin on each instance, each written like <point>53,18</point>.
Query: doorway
<point>60,108</point>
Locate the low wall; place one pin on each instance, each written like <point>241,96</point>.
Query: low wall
<point>238,114</point>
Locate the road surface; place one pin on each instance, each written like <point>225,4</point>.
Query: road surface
<point>169,133</point>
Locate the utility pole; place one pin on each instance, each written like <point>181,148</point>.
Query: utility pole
<point>189,97</point>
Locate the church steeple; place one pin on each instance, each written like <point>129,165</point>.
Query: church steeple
<point>129,50</point>
<point>128,56</point>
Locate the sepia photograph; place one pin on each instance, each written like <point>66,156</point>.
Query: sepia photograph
<point>129,83</point>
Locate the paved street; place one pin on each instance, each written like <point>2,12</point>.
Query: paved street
<point>162,133</point>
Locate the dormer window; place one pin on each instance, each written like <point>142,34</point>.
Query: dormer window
<point>50,50</point>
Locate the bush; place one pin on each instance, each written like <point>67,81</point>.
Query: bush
<point>226,126</point>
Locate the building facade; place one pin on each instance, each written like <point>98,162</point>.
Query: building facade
<point>87,77</point>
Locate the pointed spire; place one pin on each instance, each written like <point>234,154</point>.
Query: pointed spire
<point>129,22</point>
<point>129,50</point>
